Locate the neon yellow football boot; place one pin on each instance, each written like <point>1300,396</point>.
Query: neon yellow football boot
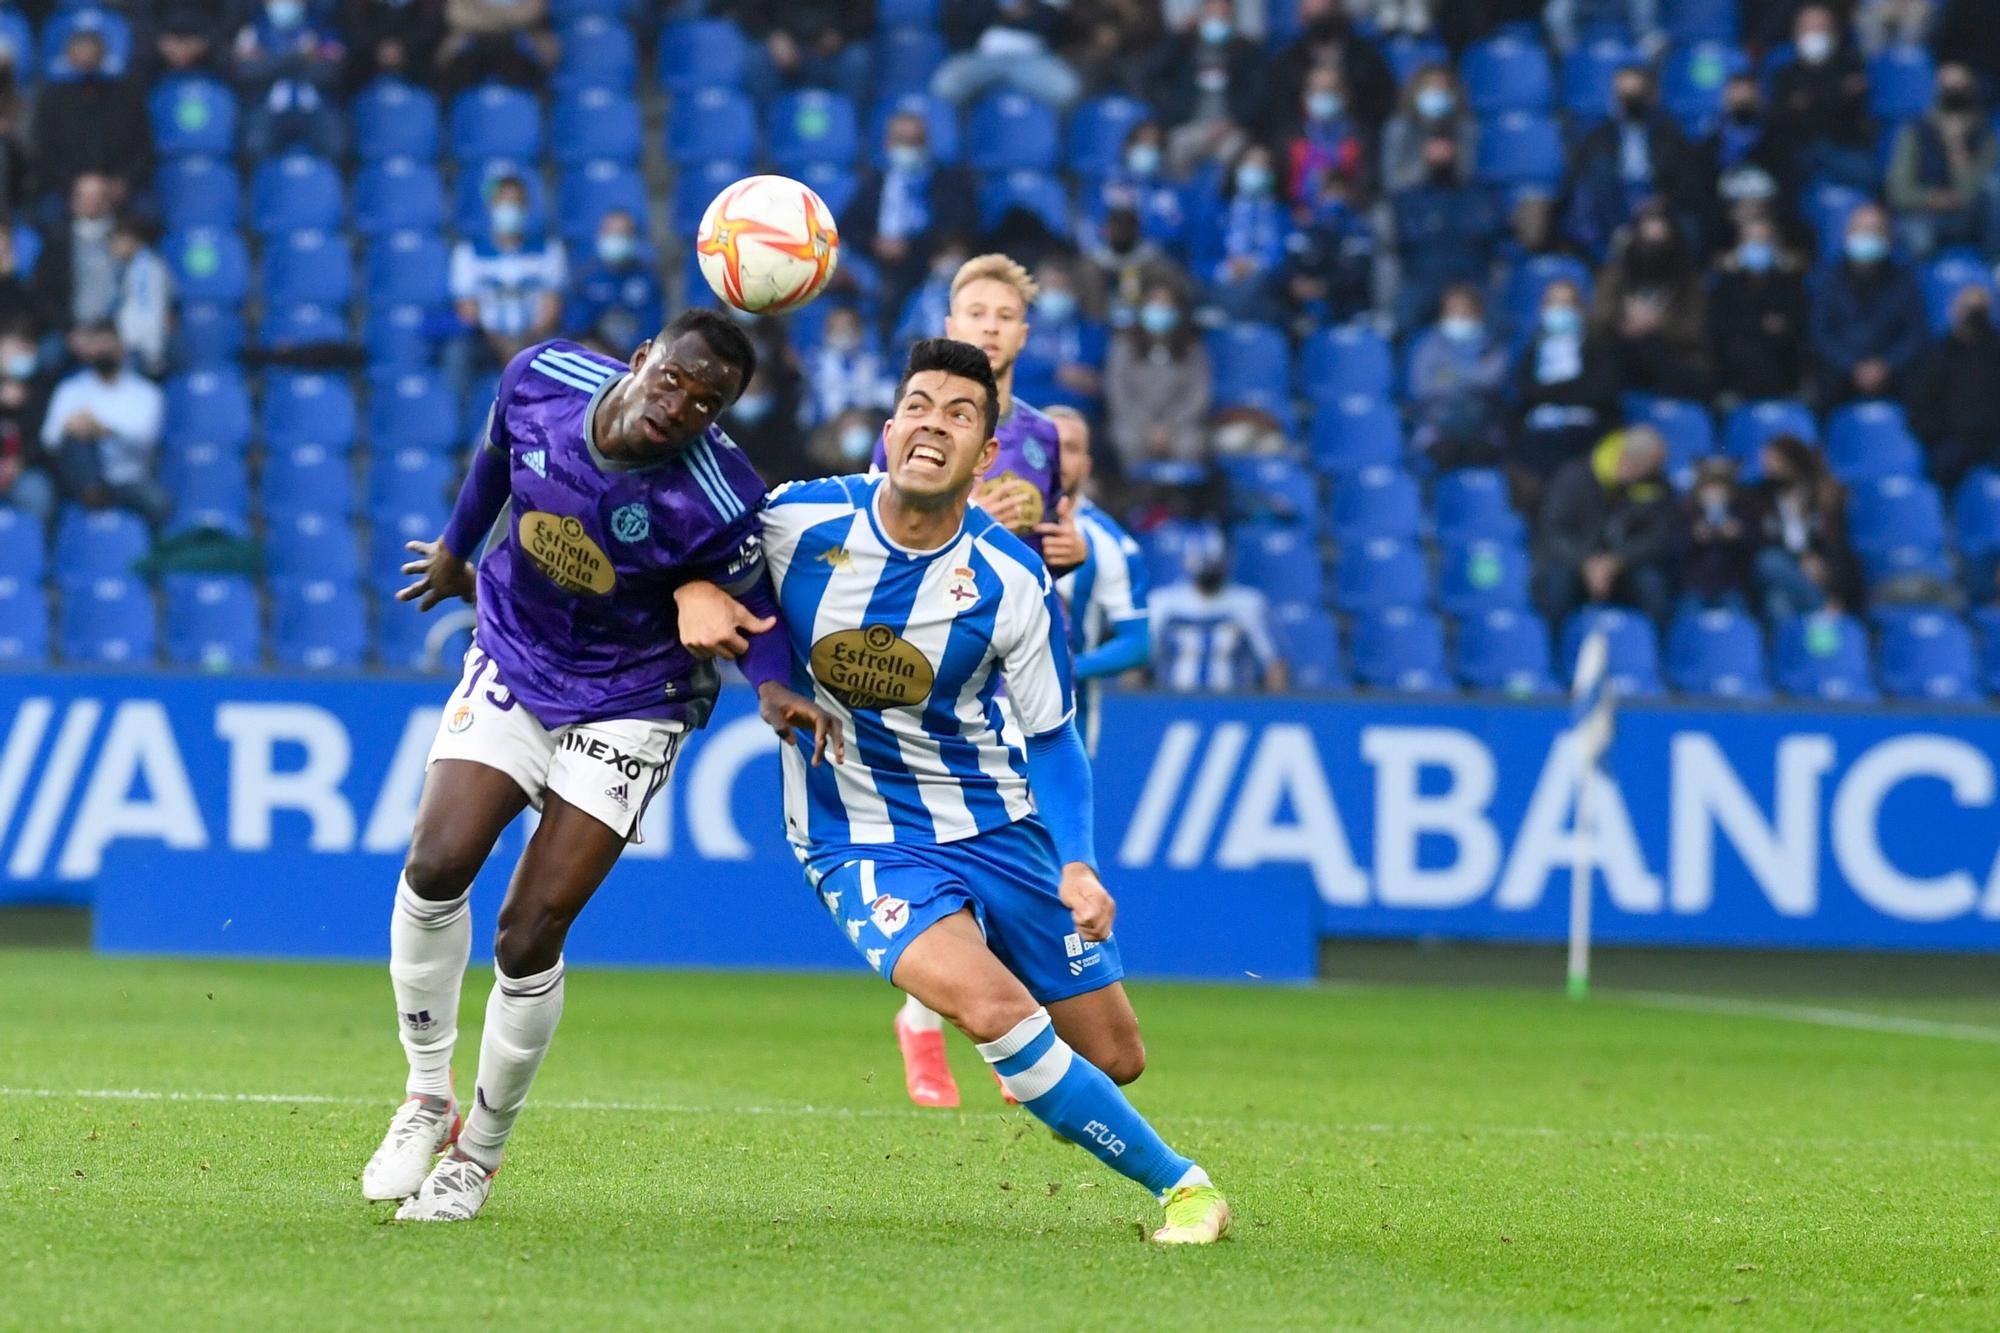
<point>1196,1215</point>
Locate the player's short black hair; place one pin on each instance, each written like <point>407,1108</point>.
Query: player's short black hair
<point>723,336</point>
<point>955,358</point>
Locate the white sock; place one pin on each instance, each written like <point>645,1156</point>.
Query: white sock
<point>919,1018</point>
<point>521,1018</point>
<point>429,943</point>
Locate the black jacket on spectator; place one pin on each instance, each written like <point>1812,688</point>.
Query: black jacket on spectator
<point>1370,83</point>
<point>1597,193</point>
<point>953,202</point>
<point>95,124</point>
<point>1581,517</point>
<point>1967,31</point>
<point>1562,418</point>
<point>807,22</point>
<point>1862,314</point>
<point>1181,57</point>
<point>1757,329</point>
<point>416,25</point>
<point>1825,103</point>
<point>1955,401</point>
<point>962,21</point>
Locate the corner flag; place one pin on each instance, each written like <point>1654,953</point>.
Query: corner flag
<point>1591,726</point>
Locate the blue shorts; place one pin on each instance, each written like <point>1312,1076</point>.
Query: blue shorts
<point>883,895</point>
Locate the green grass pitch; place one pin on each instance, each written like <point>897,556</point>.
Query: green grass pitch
<point>735,1151</point>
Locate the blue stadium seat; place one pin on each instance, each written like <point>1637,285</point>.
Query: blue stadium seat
<point>586,193</point>
<point>1097,132</point>
<point>811,125</point>
<point>1632,669</point>
<point>407,268</point>
<point>1824,656</point>
<point>400,636</point>
<point>411,479</point>
<point>108,621</point>
<point>398,194</point>
<point>1033,192</point>
<point>393,119</point>
<point>1868,441</point>
<point>1354,432</point>
<point>1948,275</point>
<point>596,123</point>
<point>24,623</point>
<point>941,120</point>
<point>1897,526</point>
<point>1928,657</point>
<point>1587,75</point>
<point>193,116</point>
<point>1407,53</point>
<point>1719,654</point>
<point>1901,83</point>
<point>698,54</point>
<point>1269,487</point>
<point>1383,572</point>
<point>1482,575</point>
<point>1503,651</point>
<point>1400,649</point>
<point>213,622</point>
<point>311,545</point>
<point>410,409</point>
<point>905,59</point>
<point>211,487</point>
<point>1309,641</point>
<point>1247,358</point>
<point>479,396</point>
<point>492,121</point>
<point>1475,504</point>
<point>907,13</point>
<point>836,186</point>
<point>208,407</point>
<point>199,192</point>
<point>1700,20</point>
<point>318,625</point>
<point>93,542</point>
<point>1987,620</point>
<point>1827,206</point>
<point>1976,531</point>
<point>597,52</point>
<point>296,192</point>
<point>1692,80</point>
<point>1521,298</point>
<point>695,187</point>
<point>17,40</point>
<point>1280,560</point>
<point>1506,73</point>
<point>209,265</point>
<point>113,27</point>
<point>307,268</point>
<point>1375,502</point>
<point>290,327</point>
<point>208,335</point>
<point>624,11</point>
<point>1350,359</point>
<point>23,545</point>
<point>473,188</point>
<point>398,336</point>
<point>1010,132</point>
<point>1519,148</point>
<point>307,478</point>
<point>308,409</point>
<point>712,124</point>
<point>1166,548</point>
<point>389,535</point>
<point>1750,427</point>
<point>1688,430</point>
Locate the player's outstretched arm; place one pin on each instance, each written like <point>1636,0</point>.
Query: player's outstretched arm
<point>442,569</point>
<point>715,624</point>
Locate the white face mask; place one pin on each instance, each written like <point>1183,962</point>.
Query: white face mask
<point>1816,47</point>
<point>856,443</point>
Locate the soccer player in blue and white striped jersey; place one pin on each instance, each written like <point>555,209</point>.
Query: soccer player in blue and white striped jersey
<point>960,865</point>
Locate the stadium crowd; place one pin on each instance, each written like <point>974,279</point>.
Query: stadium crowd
<point>1417,335</point>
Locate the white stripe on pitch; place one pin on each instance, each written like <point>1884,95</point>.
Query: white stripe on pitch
<point>1825,1016</point>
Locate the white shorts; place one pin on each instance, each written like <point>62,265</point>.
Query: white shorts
<point>609,770</point>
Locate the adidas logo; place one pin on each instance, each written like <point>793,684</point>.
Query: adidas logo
<point>538,462</point>
<point>620,795</point>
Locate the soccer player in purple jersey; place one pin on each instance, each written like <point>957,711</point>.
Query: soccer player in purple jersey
<point>617,489</point>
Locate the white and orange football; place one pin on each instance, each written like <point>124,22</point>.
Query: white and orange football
<point>768,244</point>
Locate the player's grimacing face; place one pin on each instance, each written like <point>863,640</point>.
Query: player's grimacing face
<point>675,392</point>
<point>937,441</point>
<point>991,316</point>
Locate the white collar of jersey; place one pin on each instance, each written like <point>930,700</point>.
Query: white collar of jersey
<point>882,533</point>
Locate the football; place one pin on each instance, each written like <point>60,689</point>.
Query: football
<point>768,244</point>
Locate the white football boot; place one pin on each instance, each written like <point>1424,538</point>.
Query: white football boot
<point>422,1128</point>
<point>454,1191</point>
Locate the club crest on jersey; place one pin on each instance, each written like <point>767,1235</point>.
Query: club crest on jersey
<point>873,668</point>
<point>561,549</point>
<point>1037,456</point>
<point>962,591</point>
<point>461,718</point>
<point>889,914</point>
<point>630,523</point>
<point>538,462</point>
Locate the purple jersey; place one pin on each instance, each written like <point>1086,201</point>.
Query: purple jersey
<point>1029,452</point>
<point>576,587</point>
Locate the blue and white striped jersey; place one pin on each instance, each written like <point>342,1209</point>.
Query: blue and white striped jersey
<point>1106,593</point>
<point>908,650</point>
<point>1211,642</point>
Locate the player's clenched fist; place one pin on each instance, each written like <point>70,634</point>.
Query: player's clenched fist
<point>1088,901</point>
<point>714,624</point>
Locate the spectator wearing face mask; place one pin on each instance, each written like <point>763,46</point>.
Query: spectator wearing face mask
<point>1211,636</point>
<point>1457,370</point>
<point>1941,167</point>
<point>1124,262</point>
<point>1248,247</point>
<point>286,63</point>
<point>1157,386</point>
<point>1757,316</point>
<point>1432,107</point>
<point>506,285</point>
<point>1331,256</point>
<point>846,369</point>
<point>1062,364</point>
<point>1955,391</point>
<point>1867,314</point>
<point>25,483</point>
<point>617,299</point>
<point>93,121</point>
<point>1207,84</point>
<point>837,447</point>
<point>76,278</point>
<point>1722,540</point>
<point>1442,233</point>
<point>1141,183</point>
<point>899,210</point>
<point>1744,146</point>
<point>144,313</point>
<point>1652,311</point>
<point>1819,105</point>
<point>764,421</point>
<point>1566,388</point>
<point>1327,36</point>
<point>1326,143</point>
<point>103,429</point>
<point>1639,153</point>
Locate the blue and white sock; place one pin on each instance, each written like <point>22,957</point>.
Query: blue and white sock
<point>1074,1098</point>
